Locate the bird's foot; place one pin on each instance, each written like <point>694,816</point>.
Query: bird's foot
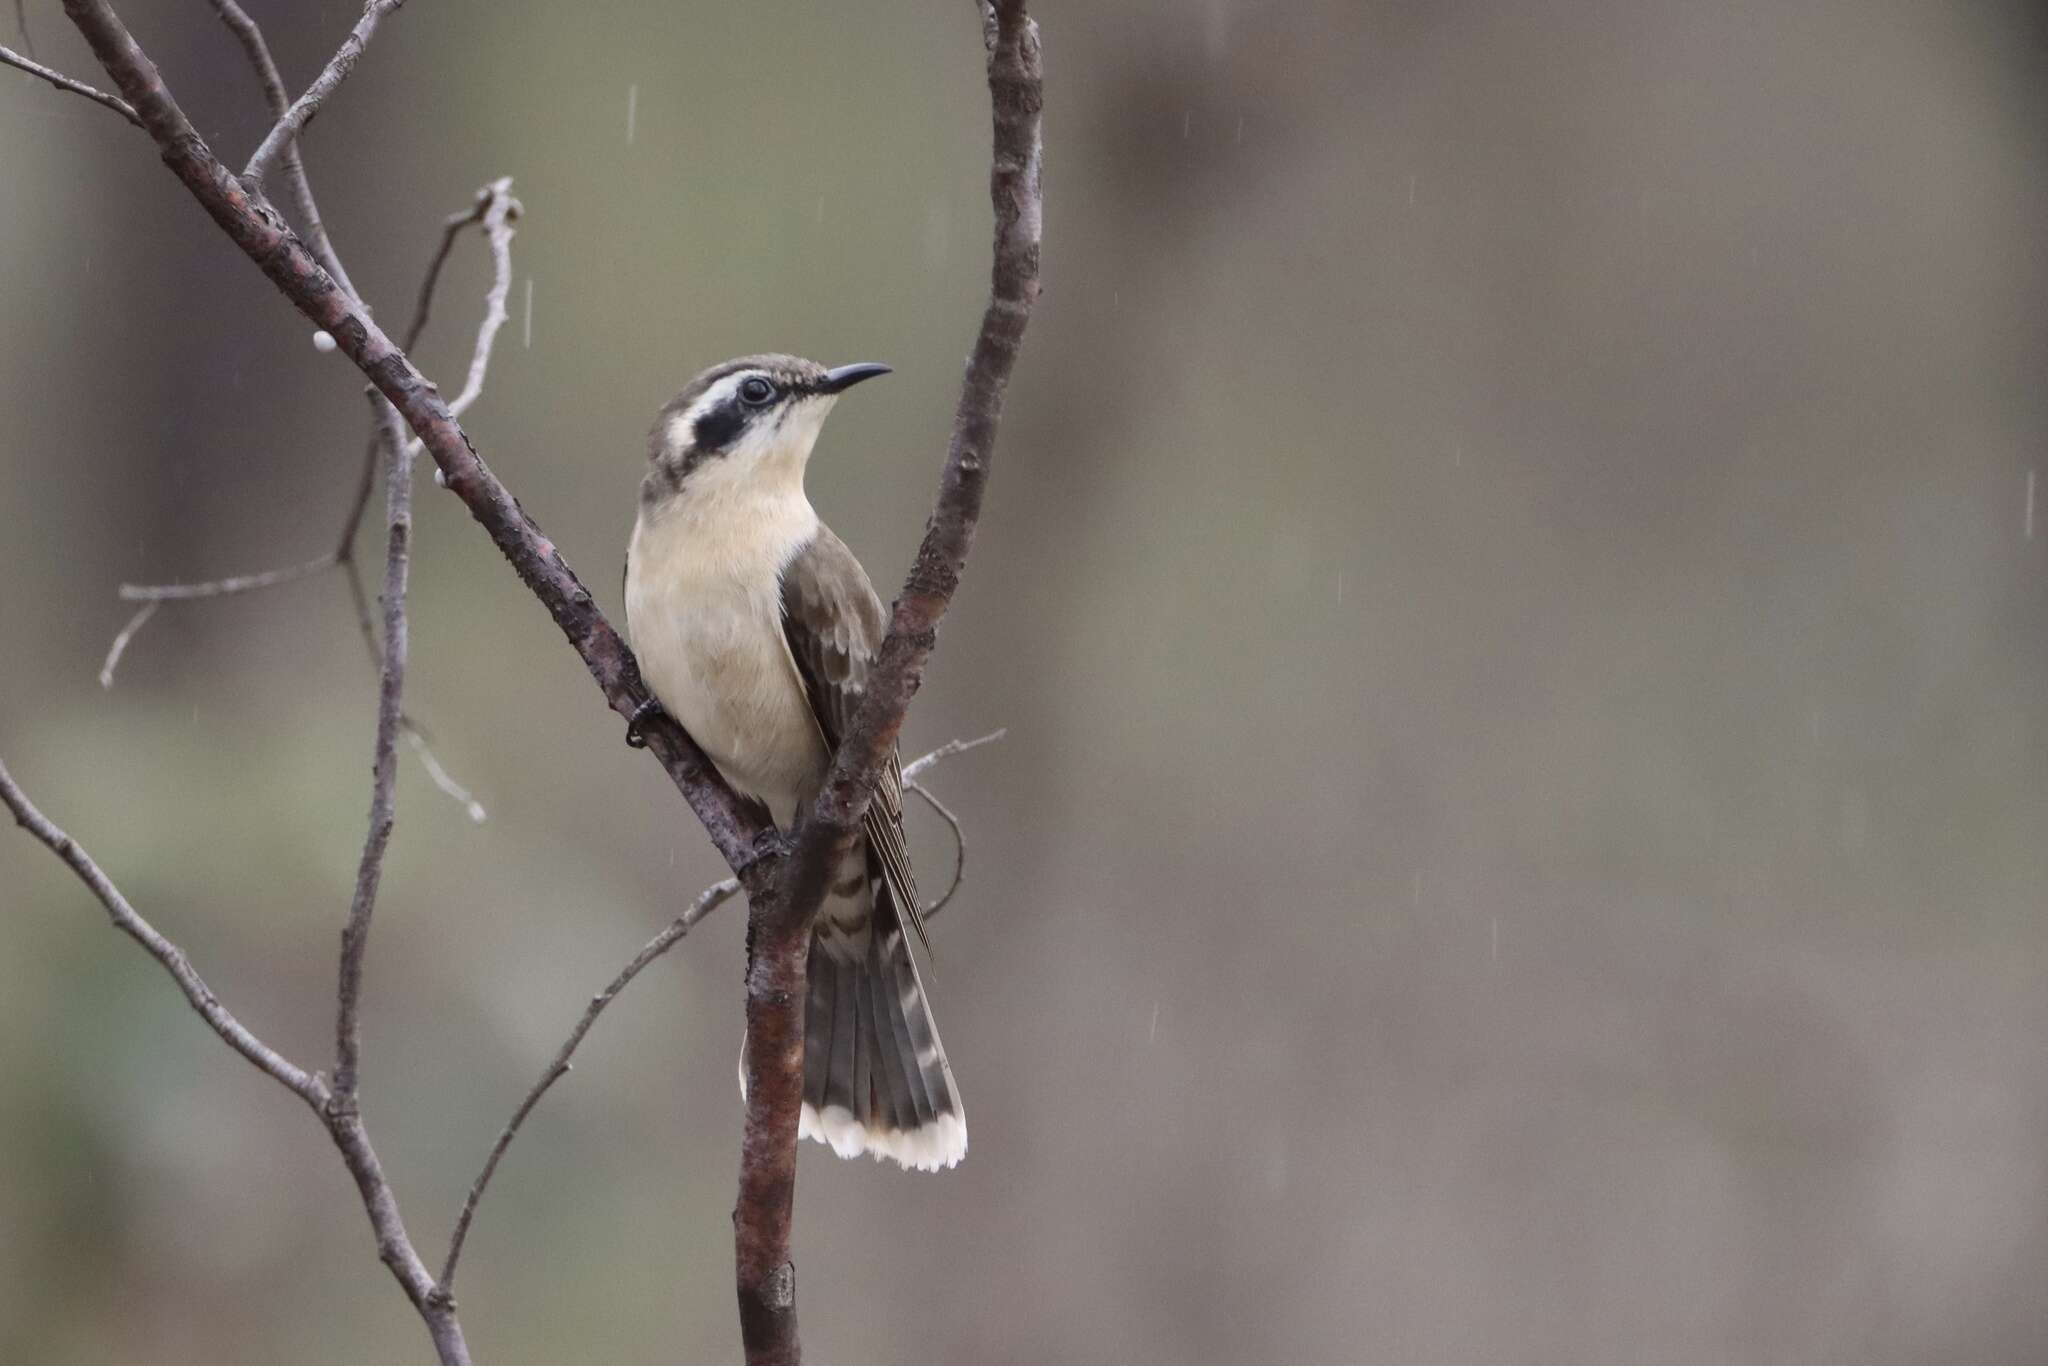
<point>643,713</point>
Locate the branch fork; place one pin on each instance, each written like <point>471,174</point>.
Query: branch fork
<point>784,876</point>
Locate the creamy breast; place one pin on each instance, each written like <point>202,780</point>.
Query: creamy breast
<point>704,610</point>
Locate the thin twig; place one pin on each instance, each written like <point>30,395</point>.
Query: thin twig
<point>708,900</point>
<point>492,198</point>
<point>959,846</point>
<point>120,645</point>
<point>301,113</point>
<point>949,749</point>
<point>341,1120</point>
<point>741,831</point>
<point>499,216</point>
<point>444,780</point>
<point>910,784</point>
<point>355,936</point>
<point>28,44</point>
<point>9,57</point>
<point>220,588</point>
<point>217,1016</point>
<point>451,228</point>
<point>251,38</point>
<point>154,595</point>
<point>500,212</point>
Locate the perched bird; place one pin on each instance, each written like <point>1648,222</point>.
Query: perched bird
<point>755,627</point>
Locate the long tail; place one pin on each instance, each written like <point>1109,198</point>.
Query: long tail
<point>876,1078</point>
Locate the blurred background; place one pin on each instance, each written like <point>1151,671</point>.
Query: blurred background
<point>1510,580</point>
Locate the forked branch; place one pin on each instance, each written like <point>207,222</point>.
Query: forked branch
<point>779,925</point>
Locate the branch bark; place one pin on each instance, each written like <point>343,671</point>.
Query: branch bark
<point>251,38</point>
<point>707,901</point>
<point>288,126</point>
<point>741,831</point>
<point>778,925</point>
<point>355,936</point>
<point>342,1121</point>
<point>9,57</point>
<point>784,877</point>
<point>218,1017</point>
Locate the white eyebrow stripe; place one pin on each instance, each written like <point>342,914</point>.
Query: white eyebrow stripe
<point>716,396</point>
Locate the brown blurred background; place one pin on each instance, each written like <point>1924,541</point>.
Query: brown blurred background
<point>1522,836</point>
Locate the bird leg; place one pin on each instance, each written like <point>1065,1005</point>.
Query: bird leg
<point>642,714</point>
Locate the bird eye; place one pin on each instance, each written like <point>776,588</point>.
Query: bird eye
<point>756,391</point>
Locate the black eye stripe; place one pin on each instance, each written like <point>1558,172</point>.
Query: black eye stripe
<point>716,428</point>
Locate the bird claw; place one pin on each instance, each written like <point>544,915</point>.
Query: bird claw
<point>635,738</point>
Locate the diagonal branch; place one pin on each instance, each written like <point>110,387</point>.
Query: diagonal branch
<point>708,900</point>
<point>251,38</point>
<point>294,119</point>
<point>307,1086</point>
<point>342,1122</point>
<point>495,209</point>
<point>741,831</point>
<point>9,57</point>
<point>120,645</point>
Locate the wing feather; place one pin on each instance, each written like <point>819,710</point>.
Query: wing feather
<point>834,625</point>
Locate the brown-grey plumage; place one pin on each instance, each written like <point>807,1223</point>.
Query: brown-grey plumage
<point>756,627</point>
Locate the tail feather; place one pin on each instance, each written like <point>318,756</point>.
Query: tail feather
<point>876,1078</point>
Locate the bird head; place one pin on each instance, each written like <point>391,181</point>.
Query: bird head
<point>747,420</point>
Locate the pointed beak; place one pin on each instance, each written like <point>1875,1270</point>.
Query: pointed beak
<point>846,376</point>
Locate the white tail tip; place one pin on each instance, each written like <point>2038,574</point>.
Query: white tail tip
<point>929,1148</point>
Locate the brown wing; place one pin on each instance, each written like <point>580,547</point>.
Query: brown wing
<point>834,625</point>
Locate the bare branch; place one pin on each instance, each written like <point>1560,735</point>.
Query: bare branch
<point>741,831</point>
<point>708,900</point>
<point>153,596</point>
<point>500,212</point>
<point>120,645</point>
<point>343,556</point>
<point>355,937</point>
<point>1017,96</point>
<point>251,38</point>
<point>911,784</point>
<point>451,227</point>
<point>959,846</point>
<point>301,113</point>
<point>394,1245</point>
<point>783,887</point>
<point>339,1117</point>
<point>9,57</point>
<point>220,588</point>
<point>266,1059</point>
<point>442,779</point>
<point>779,926</point>
<point>946,751</point>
